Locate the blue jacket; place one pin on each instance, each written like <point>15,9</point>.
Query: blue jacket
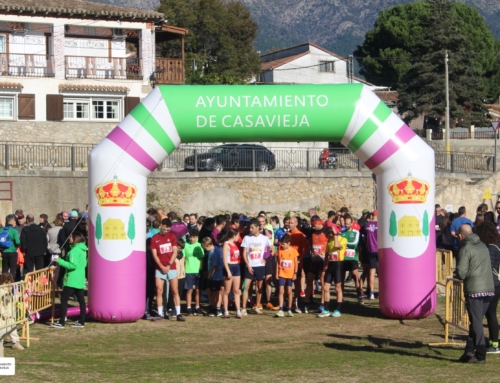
<point>215,259</point>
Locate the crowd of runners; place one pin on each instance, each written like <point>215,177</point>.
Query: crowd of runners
<point>242,263</point>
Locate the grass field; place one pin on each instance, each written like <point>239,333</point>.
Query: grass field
<point>359,346</point>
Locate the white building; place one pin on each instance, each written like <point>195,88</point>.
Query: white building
<point>70,61</point>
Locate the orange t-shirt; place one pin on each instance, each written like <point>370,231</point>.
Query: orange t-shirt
<point>298,241</point>
<point>286,262</point>
<point>318,242</point>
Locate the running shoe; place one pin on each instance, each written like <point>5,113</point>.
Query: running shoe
<point>289,314</point>
<point>324,314</point>
<point>297,311</point>
<point>466,356</point>
<point>321,308</point>
<point>198,312</point>
<point>189,312</point>
<point>156,318</point>
<point>270,306</point>
<point>180,318</point>
<point>279,314</point>
<point>147,316</point>
<point>336,314</point>
<point>166,316</point>
<point>78,325</point>
<point>219,313</point>
<point>372,296</point>
<point>226,315</point>
<point>211,312</point>
<point>257,307</point>
<point>238,314</point>
<point>244,312</point>
<point>362,294</point>
<point>302,294</point>
<point>257,311</point>
<point>493,350</point>
<point>306,309</point>
<point>57,325</point>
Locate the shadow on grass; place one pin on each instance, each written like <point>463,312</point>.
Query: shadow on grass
<point>385,346</point>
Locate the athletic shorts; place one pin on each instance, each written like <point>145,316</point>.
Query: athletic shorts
<point>192,281</point>
<point>334,272</point>
<point>172,274</point>
<point>306,263</point>
<point>234,268</point>
<point>351,265</point>
<point>214,285</point>
<point>316,268</point>
<point>271,266</point>
<point>259,273</point>
<point>373,260</point>
<point>285,282</point>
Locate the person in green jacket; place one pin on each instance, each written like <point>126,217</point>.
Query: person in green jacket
<point>9,255</point>
<point>74,279</point>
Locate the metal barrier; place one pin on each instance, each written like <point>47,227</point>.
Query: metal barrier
<point>13,308</point>
<point>455,311</point>
<point>39,295</point>
<point>444,266</point>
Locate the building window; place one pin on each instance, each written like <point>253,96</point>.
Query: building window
<point>6,107</point>
<point>91,109</point>
<point>327,66</point>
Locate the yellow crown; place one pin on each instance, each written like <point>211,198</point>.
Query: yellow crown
<point>409,191</point>
<point>115,193</point>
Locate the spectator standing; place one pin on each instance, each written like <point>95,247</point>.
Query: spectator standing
<point>474,268</point>
<point>9,255</point>
<point>33,244</point>
<point>66,231</point>
<point>52,235</point>
<point>20,223</point>
<point>457,222</point>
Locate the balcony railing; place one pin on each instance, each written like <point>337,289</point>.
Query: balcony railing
<point>103,67</point>
<point>30,65</point>
<point>171,71</point>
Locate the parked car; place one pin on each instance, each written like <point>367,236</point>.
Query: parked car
<point>233,157</point>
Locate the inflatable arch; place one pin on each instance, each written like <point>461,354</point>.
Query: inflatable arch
<point>171,115</point>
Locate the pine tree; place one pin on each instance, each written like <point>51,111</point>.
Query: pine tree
<point>425,225</point>
<point>131,228</point>
<point>422,87</point>
<point>98,228</point>
<point>393,226</point>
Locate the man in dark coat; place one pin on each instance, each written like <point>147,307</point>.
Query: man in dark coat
<point>33,244</point>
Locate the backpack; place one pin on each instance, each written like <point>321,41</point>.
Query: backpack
<point>5,241</point>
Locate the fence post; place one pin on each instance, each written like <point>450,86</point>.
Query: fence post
<point>195,160</point>
<point>253,159</point>
<point>307,159</point>
<point>359,165</point>
<point>73,167</point>
<point>7,149</point>
<point>452,163</point>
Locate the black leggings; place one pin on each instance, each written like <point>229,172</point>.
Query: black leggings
<point>491,316</point>
<point>9,263</point>
<point>80,295</point>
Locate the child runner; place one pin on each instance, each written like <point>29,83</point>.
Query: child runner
<point>231,258</point>
<point>8,313</point>
<point>193,253</point>
<point>286,273</point>
<point>74,279</point>
<point>215,276</point>
<point>298,242</point>
<point>164,250</point>
<point>335,251</point>
<point>254,246</point>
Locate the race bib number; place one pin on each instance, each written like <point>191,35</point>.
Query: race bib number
<point>350,253</point>
<point>317,249</point>
<point>235,256</point>
<point>166,248</point>
<point>334,256</point>
<point>286,264</point>
<point>255,256</point>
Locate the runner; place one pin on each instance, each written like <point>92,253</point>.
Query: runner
<point>299,242</point>
<point>335,252</point>
<point>371,232</point>
<point>164,251</point>
<point>231,258</point>
<point>351,262</point>
<point>286,273</point>
<point>254,246</point>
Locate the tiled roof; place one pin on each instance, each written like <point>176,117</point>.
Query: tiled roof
<point>77,8</point>
<point>311,44</point>
<point>388,96</point>
<point>495,108</point>
<point>279,62</point>
<point>10,85</point>
<point>92,88</point>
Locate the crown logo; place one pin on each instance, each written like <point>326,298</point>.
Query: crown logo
<point>115,193</point>
<point>409,191</point>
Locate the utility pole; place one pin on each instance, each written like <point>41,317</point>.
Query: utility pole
<point>351,68</point>
<point>447,120</point>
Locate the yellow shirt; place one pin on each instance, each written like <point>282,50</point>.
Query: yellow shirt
<point>336,253</point>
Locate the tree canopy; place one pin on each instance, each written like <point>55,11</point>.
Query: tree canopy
<point>218,49</point>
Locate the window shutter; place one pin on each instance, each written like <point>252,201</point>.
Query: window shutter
<point>130,104</point>
<point>26,107</point>
<point>55,107</point>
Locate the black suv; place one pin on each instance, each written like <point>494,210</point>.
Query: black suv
<point>233,157</point>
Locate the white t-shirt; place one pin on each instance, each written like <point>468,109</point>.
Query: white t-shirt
<point>256,247</point>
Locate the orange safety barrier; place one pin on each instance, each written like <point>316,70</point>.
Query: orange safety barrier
<point>39,295</point>
<point>455,311</point>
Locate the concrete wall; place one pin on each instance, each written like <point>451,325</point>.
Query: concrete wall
<point>205,193</point>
